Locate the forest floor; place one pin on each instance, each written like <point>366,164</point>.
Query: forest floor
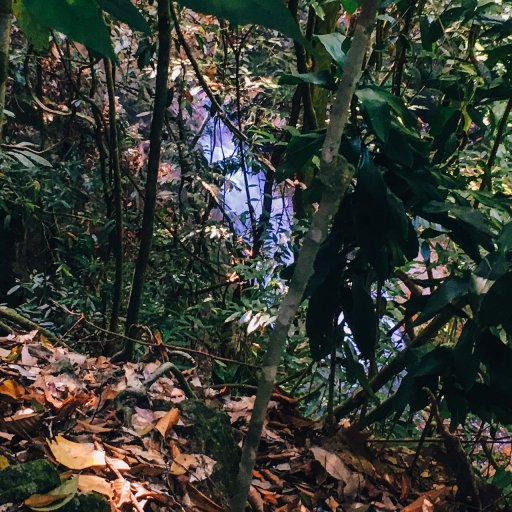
<point>132,433</point>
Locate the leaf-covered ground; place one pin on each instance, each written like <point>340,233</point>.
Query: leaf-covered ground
<point>95,422</point>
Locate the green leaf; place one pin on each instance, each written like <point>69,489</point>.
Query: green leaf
<point>272,14</point>
<point>398,148</point>
<point>457,405</point>
<point>321,78</point>
<point>68,489</point>
<point>126,12</point>
<point>333,44</point>
<point>36,33</point>
<point>356,371</point>
<point>449,291</point>
<point>351,5</point>
<point>396,104</point>
<point>429,360</point>
<point>465,362</point>
<point>80,20</point>
<point>300,150</point>
<point>497,303</point>
<point>323,309</point>
<point>376,111</point>
<point>363,319</point>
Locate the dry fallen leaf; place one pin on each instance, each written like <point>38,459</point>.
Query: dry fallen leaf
<point>4,462</point>
<point>182,463</point>
<point>201,501</point>
<point>23,423</point>
<point>255,500</point>
<point>89,483</point>
<point>75,455</point>
<point>332,463</point>
<point>426,502</point>
<point>12,389</point>
<point>61,494</point>
<point>88,426</point>
<point>168,421</point>
<point>122,493</point>
<point>197,466</point>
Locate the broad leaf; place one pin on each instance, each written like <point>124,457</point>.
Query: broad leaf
<point>497,304</point>
<point>356,371</point>
<point>333,44</point>
<point>126,12</point>
<point>321,78</point>
<point>272,14</point>
<point>443,296</point>
<point>363,319</point>
<point>351,5</point>
<point>36,33</point>
<point>301,149</point>
<point>322,310</point>
<point>81,20</point>
<point>376,111</point>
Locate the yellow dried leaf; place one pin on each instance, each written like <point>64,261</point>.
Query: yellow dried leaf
<point>56,498</point>
<point>12,389</point>
<point>4,463</point>
<point>182,464</point>
<point>90,427</point>
<point>4,353</point>
<point>89,483</point>
<point>76,455</point>
<point>43,500</point>
<point>168,421</point>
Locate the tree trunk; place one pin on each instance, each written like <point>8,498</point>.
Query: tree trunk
<point>155,143</point>
<point>118,196</point>
<point>5,33</point>
<point>335,175</point>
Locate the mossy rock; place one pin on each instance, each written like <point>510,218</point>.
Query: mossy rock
<point>213,432</point>
<point>20,481</point>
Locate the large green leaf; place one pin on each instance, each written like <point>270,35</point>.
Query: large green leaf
<point>396,104</point>
<point>497,304</point>
<point>465,361</point>
<point>351,5</point>
<point>36,33</point>
<point>126,12</point>
<point>301,149</point>
<point>381,224</point>
<point>363,319</point>
<point>448,292</point>
<point>321,78</point>
<point>333,44</point>
<point>320,318</point>
<point>376,111</point>
<point>81,20</point>
<point>272,14</point>
<point>356,371</point>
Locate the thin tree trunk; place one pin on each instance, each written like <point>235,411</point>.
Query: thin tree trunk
<point>155,144</point>
<point>335,175</point>
<point>498,139</point>
<point>5,33</point>
<point>118,197</point>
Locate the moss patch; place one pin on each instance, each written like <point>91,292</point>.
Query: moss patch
<point>22,480</point>
<point>213,431</point>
